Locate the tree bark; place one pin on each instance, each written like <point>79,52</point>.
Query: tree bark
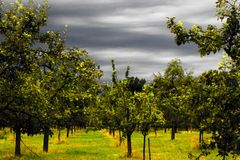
<point>191,128</point>
<point>129,145</point>
<point>45,141</point>
<point>113,133</point>
<point>173,132</point>
<point>72,129</point>
<point>149,149</point>
<point>68,130</point>
<point>18,142</point>
<point>59,135</point>
<point>120,137</point>
<point>238,146</point>
<point>155,131</point>
<point>144,145</point>
<point>200,137</point>
<point>110,131</point>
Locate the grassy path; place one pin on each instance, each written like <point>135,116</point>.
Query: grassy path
<point>162,148</point>
<point>100,145</point>
<point>82,145</point>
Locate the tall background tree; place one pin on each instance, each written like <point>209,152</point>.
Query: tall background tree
<point>118,107</point>
<point>149,113</point>
<point>168,88</point>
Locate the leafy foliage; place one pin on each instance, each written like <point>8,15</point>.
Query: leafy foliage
<point>42,83</point>
<point>222,86</point>
<point>223,99</point>
<point>213,39</point>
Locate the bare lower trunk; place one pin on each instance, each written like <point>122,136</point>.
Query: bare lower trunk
<point>237,146</point>
<point>68,130</point>
<point>45,141</point>
<point>110,131</point>
<point>173,132</point>
<point>18,142</point>
<point>149,149</point>
<point>144,145</point>
<point>200,137</point>
<point>120,137</point>
<point>129,145</point>
<point>72,129</point>
<point>155,130</point>
<point>113,133</point>
<point>191,128</point>
<point>59,135</point>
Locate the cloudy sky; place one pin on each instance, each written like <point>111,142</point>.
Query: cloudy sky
<point>133,32</point>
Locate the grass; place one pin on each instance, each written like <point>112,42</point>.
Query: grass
<point>100,145</point>
<point>81,145</point>
<point>165,149</point>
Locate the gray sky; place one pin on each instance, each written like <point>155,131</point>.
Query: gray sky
<point>133,32</point>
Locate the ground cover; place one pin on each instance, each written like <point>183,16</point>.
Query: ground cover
<point>99,145</point>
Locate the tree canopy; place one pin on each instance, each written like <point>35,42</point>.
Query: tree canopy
<point>40,78</point>
<point>222,86</point>
<point>213,39</point>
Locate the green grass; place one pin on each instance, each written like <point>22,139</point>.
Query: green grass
<point>101,146</point>
<point>81,145</point>
<point>165,149</point>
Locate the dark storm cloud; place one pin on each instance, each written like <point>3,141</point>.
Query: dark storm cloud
<point>116,38</point>
<point>97,8</point>
<point>132,32</point>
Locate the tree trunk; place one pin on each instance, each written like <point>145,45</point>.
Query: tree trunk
<point>129,145</point>
<point>144,145</point>
<point>120,137</point>
<point>191,128</point>
<point>110,131</point>
<point>18,142</point>
<point>238,146</point>
<point>155,131</point>
<point>113,133</point>
<point>72,128</point>
<point>173,132</point>
<point>59,135</point>
<point>149,149</point>
<point>165,130</point>
<point>45,141</point>
<point>175,129</point>
<point>200,137</point>
<point>68,130</point>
